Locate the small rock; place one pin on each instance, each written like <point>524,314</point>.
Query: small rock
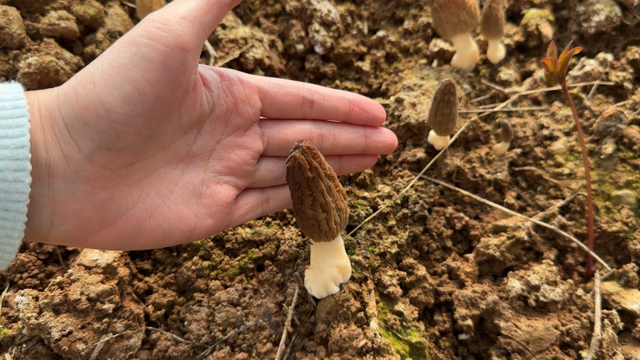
<point>597,16</point>
<point>13,34</point>
<point>60,24</point>
<point>610,123</point>
<point>47,65</point>
<point>90,13</point>
<point>624,197</point>
<point>619,297</point>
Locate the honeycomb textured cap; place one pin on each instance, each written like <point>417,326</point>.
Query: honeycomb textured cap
<point>453,17</point>
<point>319,200</point>
<point>443,114</point>
<point>506,133</point>
<point>492,19</point>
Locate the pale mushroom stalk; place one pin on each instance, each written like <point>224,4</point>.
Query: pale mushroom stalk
<point>438,142</point>
<point>330,267</point>
<point>492,23</point>
<point>454,20</point>
<point>467,53</point>
<point>321,211</point>
<point>496,50</point>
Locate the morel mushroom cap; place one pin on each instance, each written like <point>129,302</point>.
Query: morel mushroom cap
<point>506,135</point>
<point>454,20</point>
<point>443,114</point>
<point>453,17</point>
<point>319,200</point>
<point>492,28</point>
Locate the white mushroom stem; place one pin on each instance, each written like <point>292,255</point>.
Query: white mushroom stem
<point>501,148</point>
<point>467,53</point>
<point>496,51</point>
<point>330,267</point>
<point>438,142</point>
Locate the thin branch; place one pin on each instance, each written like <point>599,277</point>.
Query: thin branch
<point>286,354</point>
<point>528,108</point>
<point>557,206</point>
<point>287,325</point>
<point>210,51</point>
<point>4,293</point>
<point>523,345</point>
<point>511,212</point>
<point>176,337</point>
<point>597,326</point>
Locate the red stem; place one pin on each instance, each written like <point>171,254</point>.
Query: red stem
<point>587,176</point>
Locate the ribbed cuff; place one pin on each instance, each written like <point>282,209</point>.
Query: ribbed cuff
<point>15,170</point>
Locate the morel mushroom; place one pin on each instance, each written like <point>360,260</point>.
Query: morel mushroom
<point>506,135</point>
<point>492,28</point>
<point>443,114</point>
<point>454,20</point>
<point>320,208</point>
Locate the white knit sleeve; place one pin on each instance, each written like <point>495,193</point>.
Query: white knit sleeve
<point>15,169</point>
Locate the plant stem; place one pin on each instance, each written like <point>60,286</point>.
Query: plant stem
<point>587,175</point>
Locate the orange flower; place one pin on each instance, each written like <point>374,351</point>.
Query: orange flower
<point>556,67</point>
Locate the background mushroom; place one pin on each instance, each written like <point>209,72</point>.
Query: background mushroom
<point>506,135</point>
<point>321,211</point>
<point>443,114</point>
<point>492,28</point>
<point>454,20</point>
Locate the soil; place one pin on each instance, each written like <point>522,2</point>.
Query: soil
<point>436,274</point>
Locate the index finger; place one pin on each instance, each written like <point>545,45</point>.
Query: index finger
<point>287,99</point>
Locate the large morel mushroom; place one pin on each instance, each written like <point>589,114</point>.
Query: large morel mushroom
<point>321,211</point>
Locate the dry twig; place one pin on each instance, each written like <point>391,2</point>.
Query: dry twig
<point>511,212</point>
<point>435,158</point>
<point>4,293</point>
<point>597,326</point>
<point>176,337</point>
<point>287,325</point>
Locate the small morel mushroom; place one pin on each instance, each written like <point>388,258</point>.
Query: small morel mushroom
<point>506,135</point>
<point>321,211</point>
<point>454,20</point>
<point>145,7</point>
<point>443,114</point>
<point>492,28</point>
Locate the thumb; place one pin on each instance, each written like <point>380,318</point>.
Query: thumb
<point>195,19</point>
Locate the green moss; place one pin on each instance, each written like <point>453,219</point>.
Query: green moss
<point>351,251</point>
<point>233,273</point>
<point>251,255</point>
<point>4,332</point>
<point>536,16</point>
<point>409,342</point>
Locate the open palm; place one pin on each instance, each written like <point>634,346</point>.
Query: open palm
<point>145,148</point>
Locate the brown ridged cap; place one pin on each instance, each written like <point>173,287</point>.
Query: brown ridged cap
<point>319,200</point>
<point>453,17</point>
<point>492,19</point>
<point>506,133</point>
<point>443,114</point>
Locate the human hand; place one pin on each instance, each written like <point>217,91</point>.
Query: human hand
<point>145,148</point>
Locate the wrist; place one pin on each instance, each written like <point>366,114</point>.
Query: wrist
<point>41,204</point>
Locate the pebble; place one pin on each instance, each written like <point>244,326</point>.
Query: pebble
<point>624,197</point>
